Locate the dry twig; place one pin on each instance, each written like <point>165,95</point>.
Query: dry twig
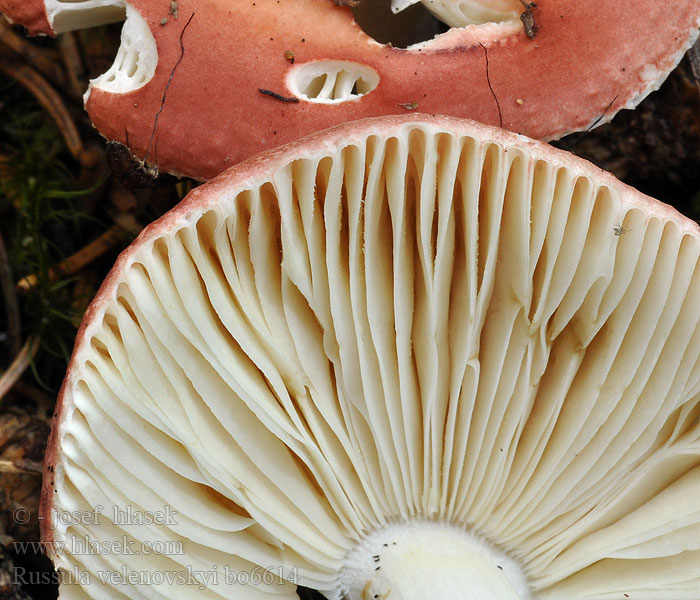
<point>19,366</point>
<point>50,100</point>
<point>44,59</point>
<point>81,258</point>
<point>14,325</point>
<point>70,53</point>
<point>26,467</point>
<point>41,399</point>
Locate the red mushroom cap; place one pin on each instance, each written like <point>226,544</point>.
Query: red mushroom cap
<point>587,61</point>
<point>218,92</point>
<point>30,13</point>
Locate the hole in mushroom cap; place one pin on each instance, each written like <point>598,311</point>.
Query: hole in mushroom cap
<point>136,59</point>
<point>403,23</point>
<point>331,81</point>
<point>411,26</point>
<point>69,15</point>
<point>467,12</point>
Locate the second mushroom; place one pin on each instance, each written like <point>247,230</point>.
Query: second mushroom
<point>406,358</point>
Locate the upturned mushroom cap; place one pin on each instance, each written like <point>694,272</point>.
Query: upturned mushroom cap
<point>408,354</point>
<point>186,94</point>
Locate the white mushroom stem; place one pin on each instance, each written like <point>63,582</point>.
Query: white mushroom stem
<point>415,560</point>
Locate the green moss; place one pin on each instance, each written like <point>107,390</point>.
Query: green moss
<point>42,221</point>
